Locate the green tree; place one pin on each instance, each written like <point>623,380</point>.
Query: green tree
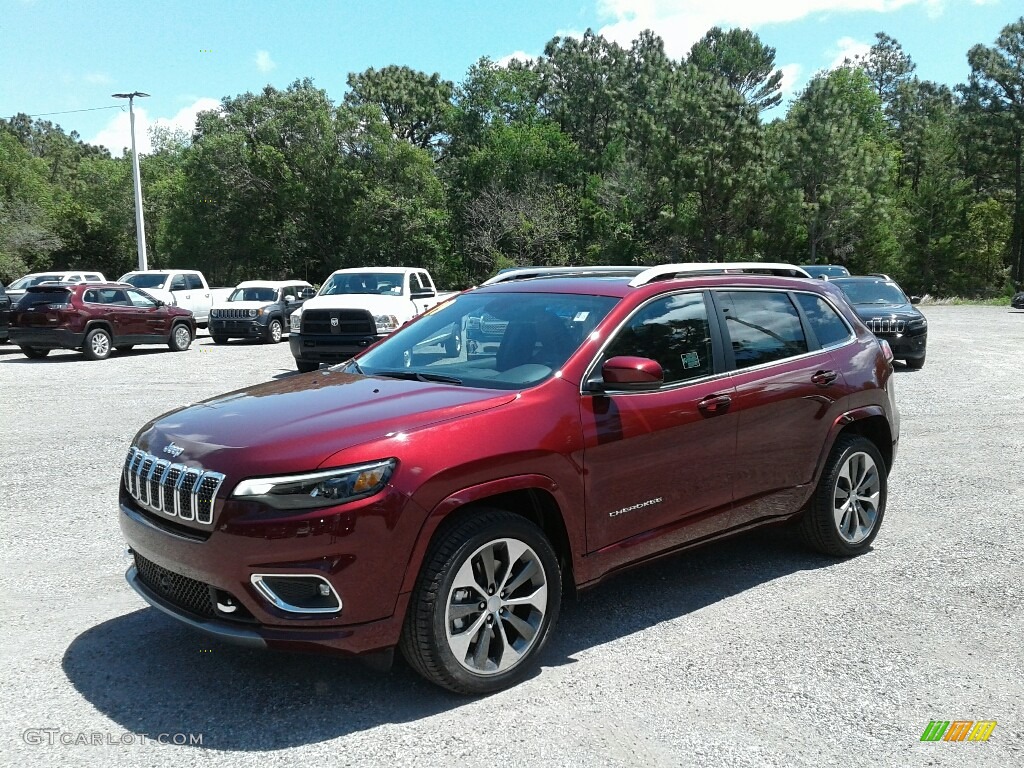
<point>743,61</point>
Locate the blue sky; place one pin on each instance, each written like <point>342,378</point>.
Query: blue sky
<point>61,55</point>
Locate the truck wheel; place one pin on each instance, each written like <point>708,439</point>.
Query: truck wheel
<point>97,344</point>
<point>306,366</point>
<point>181,338</point>
<point>484,603</point>
<point>274,332</point>
<point>34,354</point>
<point>847,507</point>
<point>219,339</point>
<point>453,345</point>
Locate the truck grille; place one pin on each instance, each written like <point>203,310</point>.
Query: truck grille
<point>192,595</point>
<point>357,322</point>
<point>880,325</point>
<point>174,490</point>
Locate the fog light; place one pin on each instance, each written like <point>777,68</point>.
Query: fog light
<point>297,593</point>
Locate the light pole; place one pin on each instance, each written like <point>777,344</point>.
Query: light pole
<point>140,231</point>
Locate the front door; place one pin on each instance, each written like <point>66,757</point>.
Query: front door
<point>658,464</point>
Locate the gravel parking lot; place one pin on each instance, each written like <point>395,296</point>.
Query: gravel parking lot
<point>752,652</point>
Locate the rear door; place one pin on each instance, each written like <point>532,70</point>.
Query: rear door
<point>111,304</point>
<point>788,393</point>
<point>658,464</point>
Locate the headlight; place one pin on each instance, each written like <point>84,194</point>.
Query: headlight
<point>214,313</point>
<point>317,489</point>
<point>918,324</point>
<point>253,312</point>
<point>295,321</point>
<point>386,323</point>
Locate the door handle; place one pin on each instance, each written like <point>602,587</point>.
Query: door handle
<point>715,403</point>
<point>824,378</point>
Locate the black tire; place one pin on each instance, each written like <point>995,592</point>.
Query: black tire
<point>124,347</point>
<point>34,353</point>
<point>180,338</point>
<point>453,345</point>
<point>305,366</point>
<point>463,545</point>
<point>275,330</point>
<point>917,363</point>
<point>219,339</point>
<point>97,344</point>
<point>820,527</point>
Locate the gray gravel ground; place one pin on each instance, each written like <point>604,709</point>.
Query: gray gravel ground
<point>747,653</point>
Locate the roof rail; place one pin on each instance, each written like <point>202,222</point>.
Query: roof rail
<point>669,271</point>
<point>527,273</point>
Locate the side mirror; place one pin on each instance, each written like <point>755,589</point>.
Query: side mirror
<point>630,373</point>
<point>289,299</point>
<point>915,299</point>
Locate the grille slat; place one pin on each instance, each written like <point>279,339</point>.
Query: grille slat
<point>234,314</point>
<point>175,490</point>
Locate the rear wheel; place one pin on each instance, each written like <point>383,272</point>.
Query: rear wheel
<point>274,332</point>
<point>484,603</point>
<point>305,366</point>
<point>35,354</point>
<point>97,344</point>
<point>846,511</point>
<point>181,338</point>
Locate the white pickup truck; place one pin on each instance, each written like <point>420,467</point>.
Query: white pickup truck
<point>186,288</point>
<point>356,307</point>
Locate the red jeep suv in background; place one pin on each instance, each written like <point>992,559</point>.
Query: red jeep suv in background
<point>96,318</point>
<point>442,504</point>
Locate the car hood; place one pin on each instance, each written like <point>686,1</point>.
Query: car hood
<point>376,305</point>
<point>298,423</point>
<point>871,311</point>
<point>242,304</point>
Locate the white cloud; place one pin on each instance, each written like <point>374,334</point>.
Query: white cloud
<point>98,78</point>
<point>522,56</point>
<point>263,61</point>
<point>791,80</point>
<point>117,136</point>
<point>846,48</point>
<point>681,23</point>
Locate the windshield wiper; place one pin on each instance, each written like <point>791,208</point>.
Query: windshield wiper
<point>418,376</point>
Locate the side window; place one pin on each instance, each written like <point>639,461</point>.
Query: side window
<point>113,296</point>
<point>194,283</point>
<point>827,326</point>
<point>93,278</point>
<point>762,326</point>
<point>139,299</point>
<point>91,297</point>
<point>178,283</point>
<point>673,330</point>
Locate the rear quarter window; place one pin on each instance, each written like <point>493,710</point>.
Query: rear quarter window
<point>826,324</point>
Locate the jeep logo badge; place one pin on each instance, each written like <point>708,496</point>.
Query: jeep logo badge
<point>173,450</point>
<point>334,322</point>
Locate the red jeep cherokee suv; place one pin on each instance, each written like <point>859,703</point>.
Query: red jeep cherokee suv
<point>442,503</point>
<point>96,318</point>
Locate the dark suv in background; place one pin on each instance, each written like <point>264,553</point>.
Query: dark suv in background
<point>96,318</point>
<point>258,309</point>
<point>5,313</point>
<point>441,503</point>
<point>889,314</point>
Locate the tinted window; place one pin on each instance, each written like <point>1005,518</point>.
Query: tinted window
<point>257,293</point>
<point>106,296</point>
<point>826,324</point>
<point>873,292</point>
<point>674,331</point>
<point>146,281</point>
<point>193,282</point>
<point>36,296</point>
<point>139,299</point>
<point>762,326</point>
<point>177,284</point>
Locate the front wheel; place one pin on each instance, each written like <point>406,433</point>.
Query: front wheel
<point>181,338</point>
<point>97,344</point>
<point>34,354</point>
<point>219,339</point>
<point>305,366</point>
<point>917,363</point>
<point>847,507</point>
<point>274,332</point>
<point>484,603</point>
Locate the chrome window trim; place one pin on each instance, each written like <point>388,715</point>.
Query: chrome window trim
<point>257,580</point>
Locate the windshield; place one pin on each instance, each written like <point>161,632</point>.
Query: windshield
<point>387,283</point>
<point>30,280</point>
<point>254,294</point>
<point>828,271</point>
<point>873,293</point>
<point>144,280</point>
<point>495,341</point>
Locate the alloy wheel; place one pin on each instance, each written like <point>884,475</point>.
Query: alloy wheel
<point>856,498</point>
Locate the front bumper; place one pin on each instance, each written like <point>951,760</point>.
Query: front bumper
<point>906,345</point>
<point>333,348</point>
<point>238,329</point>
<point>46,338</point>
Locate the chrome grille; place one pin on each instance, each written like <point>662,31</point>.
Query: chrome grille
<point>346,321</point>
<point>175,490</point>
<point>886,325</point>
